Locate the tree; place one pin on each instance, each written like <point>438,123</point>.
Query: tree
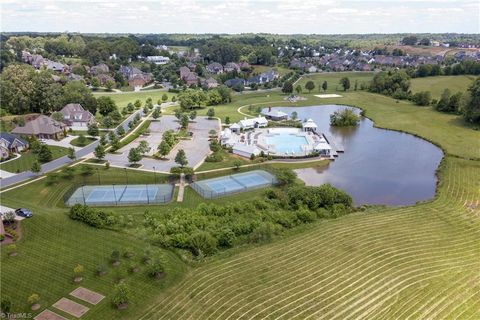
<point>156,268</point>
<point>298,88</point>
<point>106,105</point>
<point>36,168</point>
<point>211,113</point>
<point>324,85</point>
<point>422,98</point>
<point>109,85</point>
<point>164,97</point>
<point>345,82</point>
<point>137,104</point>
<point>130,107</point>
<point>344,118</point>
<point>107,122</point>
<point>45,154</point>
<point>285,176</point>
<point>134,155</point>
<point>99,152</point>
<point>164,148</point>
<point>122,296</point>
<point>95,83</point>
<point>287,87</point>
<point>71,153</point>
<point>156,113</point>
<point>114,141</point>
<point>237,163</point>
<point>355,86</point>
<point>143,147</point>
<point>310,85</point>
<point>115,115</point>
<point>184,121</point>
<point>471,103</point>
<point>442,104</point>
<point>103,140</point>
<point>33,299</point>
<point>93,129</point>
<point>193,115</point>
<point>410,40</point>
<point>227,120</point>
<point>57,116</point>
<point>181,158</point>
<point>294,115</point>
<point>120,131</point>
<point>78,271</point>
<point>115,256</point>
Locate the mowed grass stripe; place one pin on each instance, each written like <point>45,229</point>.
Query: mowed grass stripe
<point>417,222</point>
<point>253,256</point>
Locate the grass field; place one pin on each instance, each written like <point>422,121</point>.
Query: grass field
<point>418,262</point>
<point>436,85</point>
<point>333,79</point>
<point>122,99</point>
<point>25,162</point>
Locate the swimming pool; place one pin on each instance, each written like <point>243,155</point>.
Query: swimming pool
<point>287,143</point>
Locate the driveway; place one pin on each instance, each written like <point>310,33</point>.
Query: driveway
<point>65,142</point>
<point>196,149</point>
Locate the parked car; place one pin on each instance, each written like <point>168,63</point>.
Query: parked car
<point>22,212</point>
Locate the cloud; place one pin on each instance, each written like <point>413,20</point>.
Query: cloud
<point>237,16</point>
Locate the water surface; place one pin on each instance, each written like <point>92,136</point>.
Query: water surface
<point>379,166</point>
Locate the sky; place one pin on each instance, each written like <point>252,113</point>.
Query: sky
<point>242,16</point>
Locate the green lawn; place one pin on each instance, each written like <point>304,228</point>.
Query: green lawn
<point>436,85</point>
<point>122,99</point>
<point>77,143</point>
<point>333,79</point>
<point>25,162</point>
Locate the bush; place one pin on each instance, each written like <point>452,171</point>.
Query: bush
<point>90,216</point>
<point>202,243</point>
<point>285,176</point>
<point>214,157</point>
<point>122,295</point>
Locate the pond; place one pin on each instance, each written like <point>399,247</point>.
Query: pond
<point>379,166</point>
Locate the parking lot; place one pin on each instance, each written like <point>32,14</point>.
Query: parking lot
<point>196,149</point>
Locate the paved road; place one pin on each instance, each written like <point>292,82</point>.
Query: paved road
<point>47,167</point>
<point>60,162</point>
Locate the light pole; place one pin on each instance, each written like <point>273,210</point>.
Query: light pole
<point>154,175</point>
<point>126,175</point>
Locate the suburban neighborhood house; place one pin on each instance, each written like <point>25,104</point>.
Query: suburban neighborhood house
<point>76,117</point>
<point>10,143</point>
<point>42,127</point>
<point>258,122</point>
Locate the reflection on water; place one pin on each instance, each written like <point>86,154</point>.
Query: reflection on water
<point>378,166</point>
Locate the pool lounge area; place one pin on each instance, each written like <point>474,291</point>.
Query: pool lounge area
<point>279,142</point>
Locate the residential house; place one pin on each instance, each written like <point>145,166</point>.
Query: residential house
<point>244,66</point>
<point>104,78</point>
<point>159,60</point>
<point>312,69</point>
<point>215,68</point>
<point>136,78</point>
<point>42,127</point>
<point>231,66</point>
<point>234,82</point>
<point>99,69</point>
<point>55,66</point>
<point>251,123</point>
<point>75,115</point>
<point>264,77</point>
<point>10,143</point>
<point>74,77</point>
<point>188,76</point>
<point>210,83</point>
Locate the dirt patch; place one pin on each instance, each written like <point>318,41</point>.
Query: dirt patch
<point>87,295</point>
<point>71,307</point>
<point>48,315</point>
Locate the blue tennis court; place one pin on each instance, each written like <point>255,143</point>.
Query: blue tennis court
<point>121,194</point>
<point>216,187</point>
